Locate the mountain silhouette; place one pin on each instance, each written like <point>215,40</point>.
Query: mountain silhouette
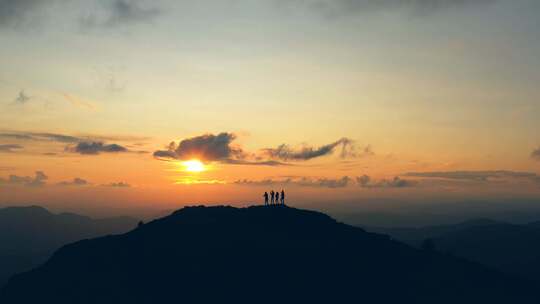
<point>415,235</point>
<point>257,255</point>
<point>511,248</point>
<point>29,235</point>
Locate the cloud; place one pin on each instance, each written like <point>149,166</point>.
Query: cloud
<point>340,8</point>
<point>302,182</point>
<point>484,177</point>
<point>284,152</point>
<point>365,181</point>
<point>472,175</point>
<point>122,12</point>
<point>47,136</point>
<point>326,182</point>
<point>75,182</point>
<point>15,13</point>
<point>263,182</point>
<point>9,148</point>
<point>117,185</point>
<point>536,154</point>
<point>56,137</point>
<point>22,98</point>
<point>37,181</point>
<point>35,136</point>
<point>220,148</point>
<point>91,13</point>
<point>207,147</point>
<point>269,163</point>
<point>87,144</point>
<point>94,148</point>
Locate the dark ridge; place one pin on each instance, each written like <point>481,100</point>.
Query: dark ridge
<point>257,255</point>
<point>510,248</point>
<point>29,235</point>
<point>25,210</point>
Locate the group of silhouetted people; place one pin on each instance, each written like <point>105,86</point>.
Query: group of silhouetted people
<point>275,198</point>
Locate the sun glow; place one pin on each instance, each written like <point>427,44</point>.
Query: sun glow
<point>193,165</point>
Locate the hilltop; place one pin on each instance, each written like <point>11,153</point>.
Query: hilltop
<point>257,254</point>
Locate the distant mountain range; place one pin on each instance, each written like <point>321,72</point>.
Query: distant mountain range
<point>511,248</point>
<point>258,255</point>
<point>29,235</point>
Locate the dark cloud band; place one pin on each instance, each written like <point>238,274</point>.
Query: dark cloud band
<point>472,175</point>
<point>77,181</point>
<point>302,182</point>
<point>9,148</point>
<point>94,148</point>
<point>38,180</point>
<point>365,181</point>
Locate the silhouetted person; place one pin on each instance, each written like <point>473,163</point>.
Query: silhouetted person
<point>272,194</point>
<point>282,197</point>
<point>265,195</point>
<point>277,198</point>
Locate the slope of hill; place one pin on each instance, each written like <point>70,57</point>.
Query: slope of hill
<point>511,248</point>
<point>257,255</point>
<point>29,235</point>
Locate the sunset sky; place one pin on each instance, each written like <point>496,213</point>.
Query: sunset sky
<point>331,100</point>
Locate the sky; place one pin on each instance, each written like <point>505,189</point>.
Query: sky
<point>109,104</point>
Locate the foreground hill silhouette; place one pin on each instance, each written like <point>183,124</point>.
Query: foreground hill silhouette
<point>29,235</point>
<point>257,255</point>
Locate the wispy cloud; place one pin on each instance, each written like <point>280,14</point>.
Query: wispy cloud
<point>39,136</point>
<point>82,144</point>
<point>286,153</point>
<point>536,154</point>
<point>17,13</point>
<point>10,148</point>
<point>117,13</point>
<point>342,8</point>
<point>22,98</point>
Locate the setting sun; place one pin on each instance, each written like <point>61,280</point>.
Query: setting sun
<point>193,166</point>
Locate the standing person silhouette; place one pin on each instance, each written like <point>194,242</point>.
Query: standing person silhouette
<point>265,195</point>
<point>282,197</point>
<point>277,198</point>
<point>272,197</point>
